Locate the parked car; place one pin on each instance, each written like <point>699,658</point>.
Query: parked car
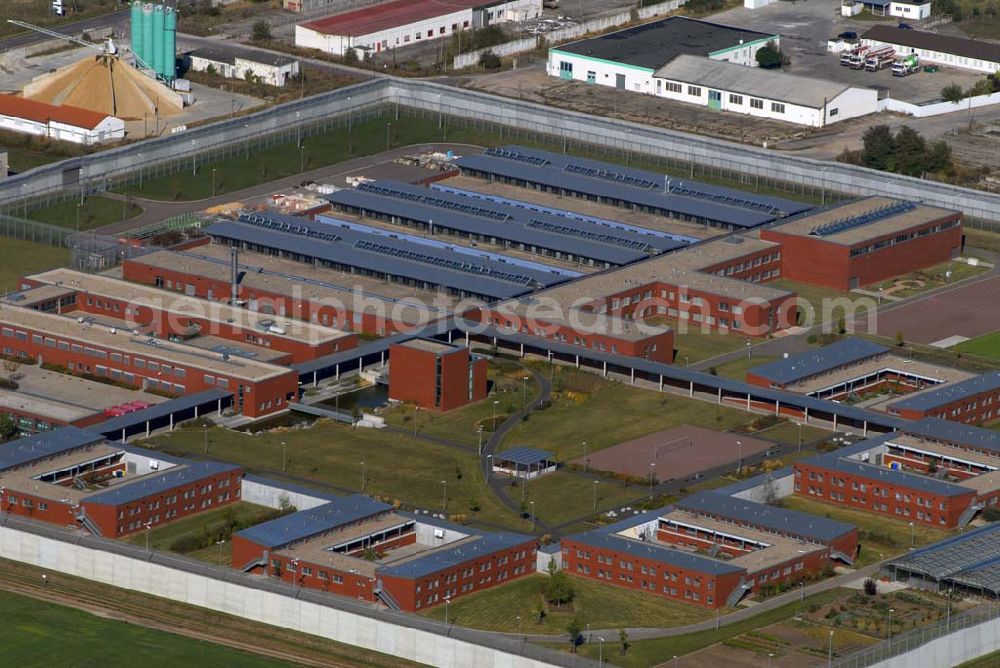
<point>905,26</point>
<point>849,35</point>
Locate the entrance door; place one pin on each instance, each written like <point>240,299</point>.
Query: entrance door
<point>620,81</point>
<point>714,99</point>
<point>591,77</point>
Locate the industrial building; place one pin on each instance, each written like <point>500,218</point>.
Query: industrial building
<point>931,472</point>
<point>709,549</point>
<point>771,94</point>
<point>232,63</point>
<point>341,248</point>
<point>74,477</point>
<point>123,358</point>
<point>153,31</point>
<point>628,59</point>
<point>974,401</point>
<point>391,25</point>
<point>435,376</point>
<point>172,314</point>
<point>361,548</point>
<point>865,241</point>
<point>961,52</point>
<point>966,564</point>
<point>61,123</point>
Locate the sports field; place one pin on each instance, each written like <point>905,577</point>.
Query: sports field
<point>987,345</point>
<point>37,633</point>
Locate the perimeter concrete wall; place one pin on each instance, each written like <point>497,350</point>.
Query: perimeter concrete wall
<point>145,574</point>
<point>271,495</point>
<point>768,491</point>
<point>951,650</point>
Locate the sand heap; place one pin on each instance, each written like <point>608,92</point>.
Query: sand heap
<point>105,84</point>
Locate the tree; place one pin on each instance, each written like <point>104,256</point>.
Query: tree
<point>573,628</point>
<point>841,325</point>
<point>911,152</point>
<point>938,156</point>
<point>350,57</point>
<point>871,587</point>
<point>8,426</point>
<point>770,57</point>
<point>559,588</point>
<point>952,93</point>
<point>261,31</point>
<point>490,61</point>
<point>899,339</point>
<point>10,368</point>
<point>623,639</point>
<point>879,147</point>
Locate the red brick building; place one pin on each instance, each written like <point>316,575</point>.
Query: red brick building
<point>865,241</point>
<point>752,546</point>
<point>123,493</point>
<point>972,401</point>
<point>361,548</point>
<point>434,375</point>
<point>158,366</point>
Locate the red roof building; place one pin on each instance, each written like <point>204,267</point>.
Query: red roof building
<point>73,124</point>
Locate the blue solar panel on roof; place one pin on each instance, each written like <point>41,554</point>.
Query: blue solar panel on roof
<point>610,175</point>
<point>511,154</point>
<point>844,224</point>
<point>288,226</point>
<point>600,237</point>
<point>525,456</point>
<point>456,265</point>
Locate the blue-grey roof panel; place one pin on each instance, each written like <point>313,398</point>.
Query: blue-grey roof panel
<point>931,399</point>
<point>484,546</point>
<point>304,524</point>
<point>113,426</point>
<point>43,445</point>
<point>158,483</point>
<point>963,435</point>
<point>780,520</point>
<point>525,456</point>
<point>835,462</point>
<point>800,366</point>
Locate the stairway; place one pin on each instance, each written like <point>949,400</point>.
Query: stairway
<point>387,598</point>
<point>967,516</point>
<point>738,593</point>
<point>88,524</point>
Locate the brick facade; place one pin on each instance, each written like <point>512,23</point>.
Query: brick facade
<point>435,376</point>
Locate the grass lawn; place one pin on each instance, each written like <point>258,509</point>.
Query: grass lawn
<point>460,425</point>
<point>788,432</point>
<point>603,413</point>
<point>737,369</point>
<point>930,278</point>
<point>995,425</point>
<point>653,652</point>
<point>162,537</point>
<point>397,466</point>
<point>982,239</point>
<point>76,638</point>
<point>825,304</point>
<point>18,258</point>
<point>562,496</point>
<point>987,345</point>
<point>21,160</point>
<point>595,603</point>
<point>881,537</point>
<point>991,660</point>
<point>692,344</point>
<point>96,211</point>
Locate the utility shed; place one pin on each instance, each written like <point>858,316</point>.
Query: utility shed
<point>724,86</point>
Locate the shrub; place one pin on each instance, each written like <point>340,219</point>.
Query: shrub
<point>870,587</point>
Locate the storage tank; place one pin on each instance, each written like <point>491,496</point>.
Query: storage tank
<point>156,51</point>
<point>169,43</point>
<point>135,25</point>
<point>147,34</point>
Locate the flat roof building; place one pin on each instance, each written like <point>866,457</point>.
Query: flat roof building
<point>627,59</point>
<point>961,52</point>
<point>973,401</point>
<point>435,376</point>
<point>236,63</point>
<point>800,367</point>
<point>59,122</point>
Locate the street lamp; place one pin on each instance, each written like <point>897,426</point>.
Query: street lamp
<point>363,480</point>
<point>889,627</point>
<point>387,129</point>
<point>675,661</point>
<point>586,461</point>
<point>600,651</point>
<point>447,602</point>
<point>739,464</point>
<point>749,352</point>
<point>444,502</point>
<point>829,655</point>
<point>652,465</point>
<point>524,392</point>
<point>213,181</point>
<point>913,535</point>
<point>519,627</point>
<point>205,428</point>
<point>148,526</point>
<point>800,435</point>
<point>769,657</point>
<point>284,461</point>
<point>220,543</point>
<point>532,515</point>
<point>947,624</point>
<point>595,495</point>
<point>480,432</point>
<point>489,467</point>
<point>495,404</point>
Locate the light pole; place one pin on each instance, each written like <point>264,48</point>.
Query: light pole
<point>532,515</point>
<point>148,527</point>
<point>519,626</point>
<point>444,500</point>
<point>524,392</point>
<point>205,428</point>
<point>220,543</point>
<point>889,627</point>
<point>363,477</point>
<point>588,634</point>
<point>717,620</point>
<point>586,461</point>
<point>388,126</point>
<point>800,435</point>
<point>595,495</point>
<point>194,158</point>
<point>495,404</point>
<point>213,181</point>
<point>600,651</point>
<point>447,602</point>
<point>675,661</point>
<point>284,461</point>
<point>802,592</point>
<point>829,654</point>
<point>739,464</point>
<point>302,158</point>
<point>947,624</point>
<point>480,432</point>
<point>489,467</point>
<point>78,216</point>
<point>749,352</point>
<point>913,535</point>
<point>652,465</point>
<point>295,575</point>
<point>769,657</point>
<point>416,413</point>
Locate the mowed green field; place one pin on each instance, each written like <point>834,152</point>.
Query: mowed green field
<point>37,633</point>
<point>18,258</point>
<point>987,345</point>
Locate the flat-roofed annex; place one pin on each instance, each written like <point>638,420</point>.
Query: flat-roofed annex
<point>183,305</point>
<point>26,479</point>
<point>69,330</point>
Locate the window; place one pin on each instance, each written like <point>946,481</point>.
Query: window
<point>735,99</point>
<point>694,91</point>
<point>777,107</point>
<point>834,112</point>
<point>756,104</point>
<point>566,67</point>
<point>673,87</point>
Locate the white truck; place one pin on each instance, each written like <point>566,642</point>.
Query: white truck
<point>879,59</point>
<point>858,53</point>
<point>906,66</point>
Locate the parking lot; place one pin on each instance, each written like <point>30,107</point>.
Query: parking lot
<point>805,27</point>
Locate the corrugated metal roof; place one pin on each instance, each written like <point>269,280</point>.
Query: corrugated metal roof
<point>524,456</point>
<point>43,445</point>
<point>931,399</point>
<point>158,483</point>
<point>483,546</point>
<point>314,521</point>
<point>962,435</point>
<point>798,367</point>
<point>771,518</point>
<point>112,428</point>
<point>957,557</point>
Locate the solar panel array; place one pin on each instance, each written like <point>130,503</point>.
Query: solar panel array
<point>510,154</point>
<point>280,225</point>
<point>459,207</point>
<point>233,352</point>
<point>610,175</point>
<point>720,198</point>
<point>454,265</point>
<point>589,236</point>
<point>844,224</point>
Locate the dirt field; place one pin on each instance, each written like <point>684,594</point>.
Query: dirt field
<point>678,453</point>
<point>968,310</point>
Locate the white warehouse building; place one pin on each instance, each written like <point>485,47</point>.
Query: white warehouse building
<point>628,59</point>
<point>969,54</point>
<point>231,63</point>
<point>763,93</point>
<point>60,122</point>
<point>403,22</point>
